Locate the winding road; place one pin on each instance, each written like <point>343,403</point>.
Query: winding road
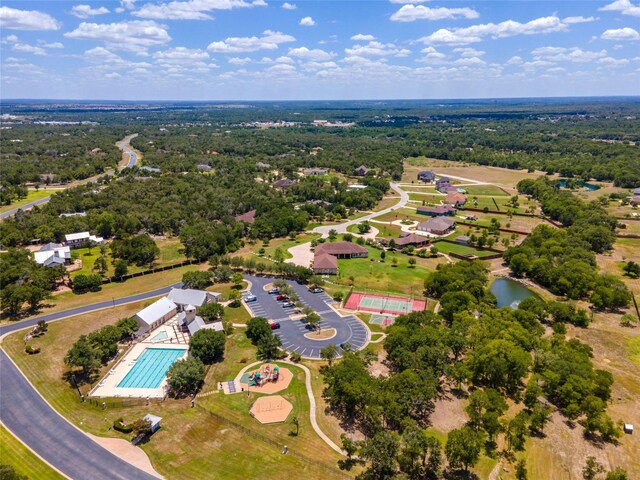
<point>36,424</point>
<point>342,228</point>
<point>122,145</point>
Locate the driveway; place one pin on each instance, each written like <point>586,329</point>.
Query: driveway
<point>348,329</point>
<point>342,228</point>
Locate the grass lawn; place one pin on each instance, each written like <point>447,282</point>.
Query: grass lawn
<point>401,214</point>
<point>446,247</point>
<point>426,197</point>
<point>25,462</point>
<point>192,443</point>
<point>284,244</point>
<point>491,190</point>
<point>32,196</point>
<point>383,276</point>
<point>169,254</point>
<point>384,230</point>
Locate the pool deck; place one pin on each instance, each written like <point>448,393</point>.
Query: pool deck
<point>108,386</point>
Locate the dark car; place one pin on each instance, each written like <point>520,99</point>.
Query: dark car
<point>281,297</point>
<point>274,325</point>
<point>316,290</point>
<point>287,305</point>
<point>274,291</point>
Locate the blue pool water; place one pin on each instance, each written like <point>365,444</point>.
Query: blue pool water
<point>160,336</point>
<point>151,367</point>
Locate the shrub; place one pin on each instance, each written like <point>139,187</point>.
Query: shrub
<point>296,357</point>
<point>122,427</point>
<point>32,351</point>
<point>87,283</point>
<point>338,296</point>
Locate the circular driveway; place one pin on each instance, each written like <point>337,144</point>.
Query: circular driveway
<point>348,329</point>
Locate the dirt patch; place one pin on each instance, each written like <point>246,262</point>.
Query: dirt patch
<point>379,367</point>
<point>321,334</point>
<point>449,413</point>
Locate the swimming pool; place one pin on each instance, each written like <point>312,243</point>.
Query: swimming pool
<point>151,367</point>
<point>160,336</point>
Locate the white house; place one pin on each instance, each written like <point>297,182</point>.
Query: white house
<point>155,314</point>
<point>52,255</point>
<point>192,322</point>
<point>76,240</point>
<point>188,296</point>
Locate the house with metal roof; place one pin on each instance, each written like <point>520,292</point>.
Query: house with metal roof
<point>155,314</point>
<point>437,225</point>
<point>188,320</point>
<point>80,239</point>
<point>53,255</point>
<point>182,297</point>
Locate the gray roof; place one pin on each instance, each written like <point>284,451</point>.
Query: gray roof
<point>636,191</point>
<point>156,310</point>
<point>437,223</point>
<point>50,246</point>
<point>199,324</point>
<point>155,420</point>
<point>188,296</point>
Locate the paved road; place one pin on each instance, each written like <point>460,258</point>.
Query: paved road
<point>122,145</point>
<point>291,332</point>
<point>342,228</point>
<point>51,436</point>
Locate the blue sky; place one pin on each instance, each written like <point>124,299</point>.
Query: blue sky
<point>262,49</point>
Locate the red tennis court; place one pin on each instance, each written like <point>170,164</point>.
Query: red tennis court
<point>382,304</point>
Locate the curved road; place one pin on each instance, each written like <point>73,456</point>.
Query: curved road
<point>122,145</point>
<point>53,438</point>
<point>342,228</point>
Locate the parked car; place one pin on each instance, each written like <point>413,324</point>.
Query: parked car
<point>274,291</point>
<point>250,298</point>
<point>280,298</point>
<point>274,325</point>
<point>287,305</point>
<point>316,290</point>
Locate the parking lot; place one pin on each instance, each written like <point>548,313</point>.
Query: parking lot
<point>291,332</point>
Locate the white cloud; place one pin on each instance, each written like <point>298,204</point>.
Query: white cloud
<point>432,56</point>
<point>561,54</point>
<point>408,1</point>
<point>307,22</point>
<point>135,36</point>
<point>617,34</point>
<point>25,48</point>
<point>360,37</point>
<point>104,59</point>
<point>614,62</point>
<point>14,19</point>
<point>508,28</point>
<point>270,40</point>
<point>580,19</point>
<point>112,75</point>
<point>191,9</point>
<point>52,44</point>
<point>469,52</point>
<point>516,60</point>
<point>411,13</point>
<point>86,11</point>
<point>289,6</point>
<point>377,49</point>
<point>180,56</point>
<point>239,61</point>
<point>315,54</point>
<point>623,6</point>
<point>473,61</point>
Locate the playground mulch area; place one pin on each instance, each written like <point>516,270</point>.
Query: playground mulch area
<point>284,379</point>
<point>383,304</point>
<point>272,409</point>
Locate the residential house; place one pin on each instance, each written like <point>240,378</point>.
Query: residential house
<point>436,211</point>
<point>147,168</point>
<point>155,314</point>
<point>342,250</point>
<point>362,171</point>
<point>437,225</point>
<point>455,198</point>
<point>47,178</point>
<point>426,176</point>
<point>283,183</point>
<point>410,239</point>
<point>203,167</point>
<point>635,200</point>
<point>325,264</point>
<point>76,214</point>
<point>310,172</point>
<point>188,296</point>
<point>52,255</point>
<point>262,165</point>
<point>248,217</point>
<point>80,239</point>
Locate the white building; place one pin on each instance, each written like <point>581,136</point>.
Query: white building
<point>188,296</point>
<point>155,314</point>
<point>192,322</point>
<point>77,240</point>
<point>52,255</point>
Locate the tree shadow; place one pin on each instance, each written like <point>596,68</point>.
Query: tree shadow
<point>79,378</point>
<point>460,475</point>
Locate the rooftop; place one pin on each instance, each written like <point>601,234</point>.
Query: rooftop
<point>324,261</point>
<point>340,248</point>
<point>187,296</point>
<point>156,310</point>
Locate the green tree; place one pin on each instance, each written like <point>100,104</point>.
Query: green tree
<point>463,448</point>
<point>237,279</point>
<point>329,353</point>
<point>7,472</point>
<point>211,311</point>
<point>84,355</point>
<point>257,328</point>
<point>296,423</point>
<point>121,268</point>
<point>521,470</point>
<point>207,345</point>
<point>269,347</point>
<point>333,234</point>
<point>87,283</point>
<point>197,279</point>
<point>592,468</point>
<point>141,427</point>
<point>101,265</point>
<point>185,376</point>
<point>313,320</point>
<point>412,262</point>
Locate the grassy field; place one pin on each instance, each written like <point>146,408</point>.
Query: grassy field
<point>32,196</point>
<point>373,274</point>
<point>170,253</point>
<point>446,247</point>
<point>490,190</point>
<point>219,436</point>
<point>25,462</point>
<point>283,243</point>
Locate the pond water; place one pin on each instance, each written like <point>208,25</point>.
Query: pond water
<point>510,293</point>
<point>580,184</point>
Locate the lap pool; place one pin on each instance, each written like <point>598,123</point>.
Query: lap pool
<point>151,367</point>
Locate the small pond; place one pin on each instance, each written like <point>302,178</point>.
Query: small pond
<point>579,184</point>
<point>510,293</point>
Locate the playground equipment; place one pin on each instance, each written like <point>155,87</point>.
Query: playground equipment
<point>264,375</point>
